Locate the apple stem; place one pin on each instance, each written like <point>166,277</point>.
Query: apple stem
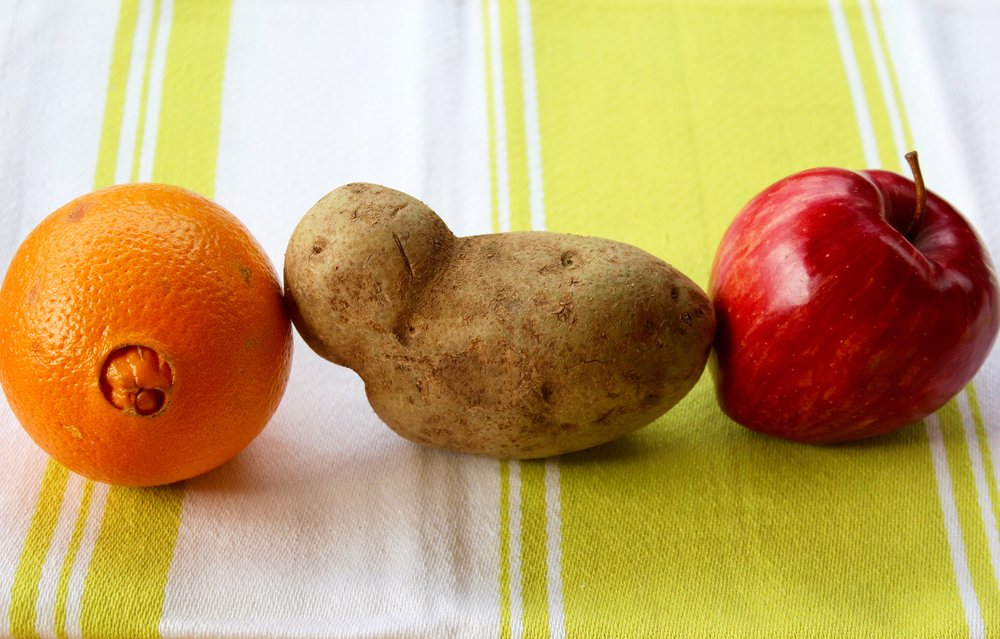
<point>918,179</point>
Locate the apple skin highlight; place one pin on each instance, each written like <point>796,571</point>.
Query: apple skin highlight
<point>832,324</point>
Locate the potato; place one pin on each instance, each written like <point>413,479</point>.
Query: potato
<point>513,345</point>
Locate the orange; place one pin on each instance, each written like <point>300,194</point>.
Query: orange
<point>143,335</point>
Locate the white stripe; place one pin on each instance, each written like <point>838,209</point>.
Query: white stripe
<point>133,93</point>
<point>52,568</point>
<point>953,530</point>
<point>553,530</point>
<point>993,450</point>
<point>516,608</point>
<point>942,471</point>
<point>78,574</point>
<point>499,116</point>
<point>553,522</point>
<point>976,458</point>
<point>855,85</point>
<point>155,96</point>
<point>884,79</point>
<point>532,130</point>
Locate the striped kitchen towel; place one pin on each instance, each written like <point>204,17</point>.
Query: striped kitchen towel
<point>646,121</point>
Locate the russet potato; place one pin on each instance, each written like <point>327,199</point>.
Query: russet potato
<point>511,345</point>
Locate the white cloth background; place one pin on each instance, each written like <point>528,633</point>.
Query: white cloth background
<point>334,510</point>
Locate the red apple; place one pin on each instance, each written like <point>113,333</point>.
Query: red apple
<point>848,304</point>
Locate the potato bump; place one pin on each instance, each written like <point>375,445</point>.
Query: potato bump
<point>513,345</point>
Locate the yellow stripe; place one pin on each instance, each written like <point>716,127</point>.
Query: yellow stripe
<point>517,146</point>
<point>188,140</point>
<point>491,117</point>
<point>107,155</point>
<point>534,553</point>
<point>533,559</point>
<point>889,160</point>
<point>24,592</point>
<point>984,447</point>
<point>720,100</point>
<point>496,78</point>
<point>505,631</point>
<point>969,514</point>
<point>124,589</point>
<point>150,49</point>
<point>62,590</point>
